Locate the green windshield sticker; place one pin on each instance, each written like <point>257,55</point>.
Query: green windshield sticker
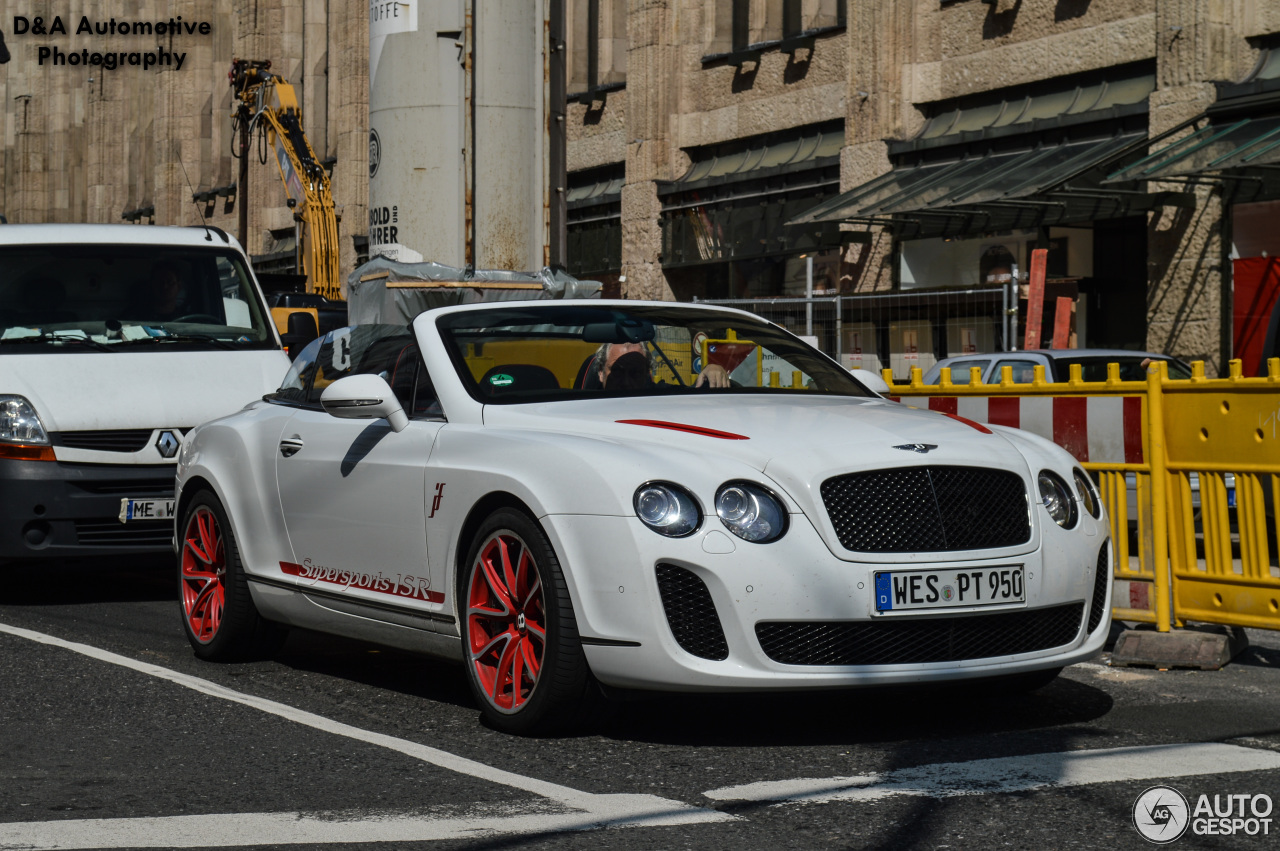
<point>500,379</point>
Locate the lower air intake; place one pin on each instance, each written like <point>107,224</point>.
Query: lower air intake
<point>691,613</point>
<point>1098,606</point>
<point>919,640</point>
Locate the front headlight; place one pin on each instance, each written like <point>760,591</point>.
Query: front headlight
<point>19,422</point>
<point>1088,496</point>
<point>667,509</point>
<point>1056,498</point>
<point>751,512</point>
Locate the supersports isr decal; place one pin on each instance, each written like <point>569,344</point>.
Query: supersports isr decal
<point>401,585</point>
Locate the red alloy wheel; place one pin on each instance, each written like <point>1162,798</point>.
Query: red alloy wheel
<point>204,571</point>
<point>506,622</point>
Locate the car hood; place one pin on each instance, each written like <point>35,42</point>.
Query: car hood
<point>796,440</point>
<point>84,391</point>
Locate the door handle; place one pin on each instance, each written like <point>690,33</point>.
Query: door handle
<point>290,446</point>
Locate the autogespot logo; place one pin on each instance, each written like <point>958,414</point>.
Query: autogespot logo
<point>1161,814</point>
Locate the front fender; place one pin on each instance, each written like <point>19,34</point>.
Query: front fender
<point>237,463</point>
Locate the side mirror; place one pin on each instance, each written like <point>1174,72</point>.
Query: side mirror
<point>301,330</point>
<point>364,397</point>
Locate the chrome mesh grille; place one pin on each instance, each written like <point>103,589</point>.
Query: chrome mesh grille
<point>927,509</point>
<point>919,640</point>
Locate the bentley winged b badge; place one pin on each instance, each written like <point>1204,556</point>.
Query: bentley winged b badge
<point>922,448</point>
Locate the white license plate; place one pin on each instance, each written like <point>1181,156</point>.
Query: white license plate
<point>907,590</point>
<point>146,509</point>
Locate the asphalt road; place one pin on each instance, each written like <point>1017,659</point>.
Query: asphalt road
<point>113,735</point>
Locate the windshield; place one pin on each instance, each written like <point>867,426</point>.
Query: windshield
<point>1132,367</point>
<point>568,351</point>
<point>107,297</point>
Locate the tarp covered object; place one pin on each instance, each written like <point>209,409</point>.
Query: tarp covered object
<point>386,292</point>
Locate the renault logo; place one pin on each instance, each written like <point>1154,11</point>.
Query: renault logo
<point>168,444</point>
<point>922,448</point>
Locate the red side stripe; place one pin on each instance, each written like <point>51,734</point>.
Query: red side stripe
<point>1133,430</point>
<point>1071,425</point>
<point>944,406</point>
<point>1004,410</point>
<point>687,429</point>
<point>970,423</point>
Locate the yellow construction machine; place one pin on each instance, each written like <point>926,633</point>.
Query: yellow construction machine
<point>266,103</point>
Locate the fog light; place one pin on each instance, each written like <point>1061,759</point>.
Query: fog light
<point>38,534</point>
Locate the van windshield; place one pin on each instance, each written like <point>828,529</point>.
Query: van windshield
<point>108,297</point>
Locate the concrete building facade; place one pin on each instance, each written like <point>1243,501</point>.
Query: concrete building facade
<point>705,137</point>
<point>706,80</point>
<point>86,143</point>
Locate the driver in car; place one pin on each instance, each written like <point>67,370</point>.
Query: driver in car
<point>625,366</point>
<point>167,292</point>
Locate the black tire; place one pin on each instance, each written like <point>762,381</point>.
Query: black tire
<point>218,614</point>
<point>503,633</point>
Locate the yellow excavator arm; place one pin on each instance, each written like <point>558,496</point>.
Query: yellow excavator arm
<point>269,104</point>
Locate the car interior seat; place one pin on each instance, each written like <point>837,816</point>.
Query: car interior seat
<point>517,377</point>
<point>588,378</point>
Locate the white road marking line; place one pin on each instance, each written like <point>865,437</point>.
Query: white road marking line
<point>257,829</point>
<point>614,810</point>
<point>1012,774</point>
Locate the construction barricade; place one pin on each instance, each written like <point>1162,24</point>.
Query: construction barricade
<point>1189,471</point>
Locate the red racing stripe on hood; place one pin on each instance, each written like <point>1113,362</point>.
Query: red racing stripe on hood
<point>970,423</point>
<point>688,429</point>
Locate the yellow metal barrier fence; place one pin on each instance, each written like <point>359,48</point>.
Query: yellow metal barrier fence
<point>1204,483</point>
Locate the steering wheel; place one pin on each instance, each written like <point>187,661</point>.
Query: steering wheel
<point>204,318</point>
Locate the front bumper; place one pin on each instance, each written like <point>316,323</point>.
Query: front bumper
<point>630,636</point>
<point>55,509</point>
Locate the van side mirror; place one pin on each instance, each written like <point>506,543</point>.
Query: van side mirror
<point>364,397</point>
<point>301,330</point>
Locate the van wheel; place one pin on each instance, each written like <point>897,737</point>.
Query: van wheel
<point>524,660</point>
<point>218,615</point>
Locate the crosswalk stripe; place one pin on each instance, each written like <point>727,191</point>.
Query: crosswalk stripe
<point>592,809</point>
<point>1012,774</point>
<point>231,830</point>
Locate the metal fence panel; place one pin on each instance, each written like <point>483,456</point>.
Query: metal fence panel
<point>898,330</point>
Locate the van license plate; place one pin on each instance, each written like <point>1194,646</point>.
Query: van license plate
<point>146,509</point>
<point>905,590</point>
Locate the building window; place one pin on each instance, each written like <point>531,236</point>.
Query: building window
<point>596,42</point>
<point>736,26</point>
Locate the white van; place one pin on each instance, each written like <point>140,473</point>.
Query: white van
<point>116,340</point>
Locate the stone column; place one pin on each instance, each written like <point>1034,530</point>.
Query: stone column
<point>651,89</point>
<point>880,36</point>
<point>1188,277</point>
<point>348,121</point>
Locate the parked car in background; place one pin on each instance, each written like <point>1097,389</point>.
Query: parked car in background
<point>116,341</point>
<point>1057,365</point>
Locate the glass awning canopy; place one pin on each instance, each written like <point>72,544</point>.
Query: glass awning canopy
<point>978,183</point>
<point>1220,146</point>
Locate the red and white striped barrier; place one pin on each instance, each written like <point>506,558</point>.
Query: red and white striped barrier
<point>1101,429</point>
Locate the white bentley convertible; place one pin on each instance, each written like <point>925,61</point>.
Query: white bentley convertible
<point>567,494</point>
